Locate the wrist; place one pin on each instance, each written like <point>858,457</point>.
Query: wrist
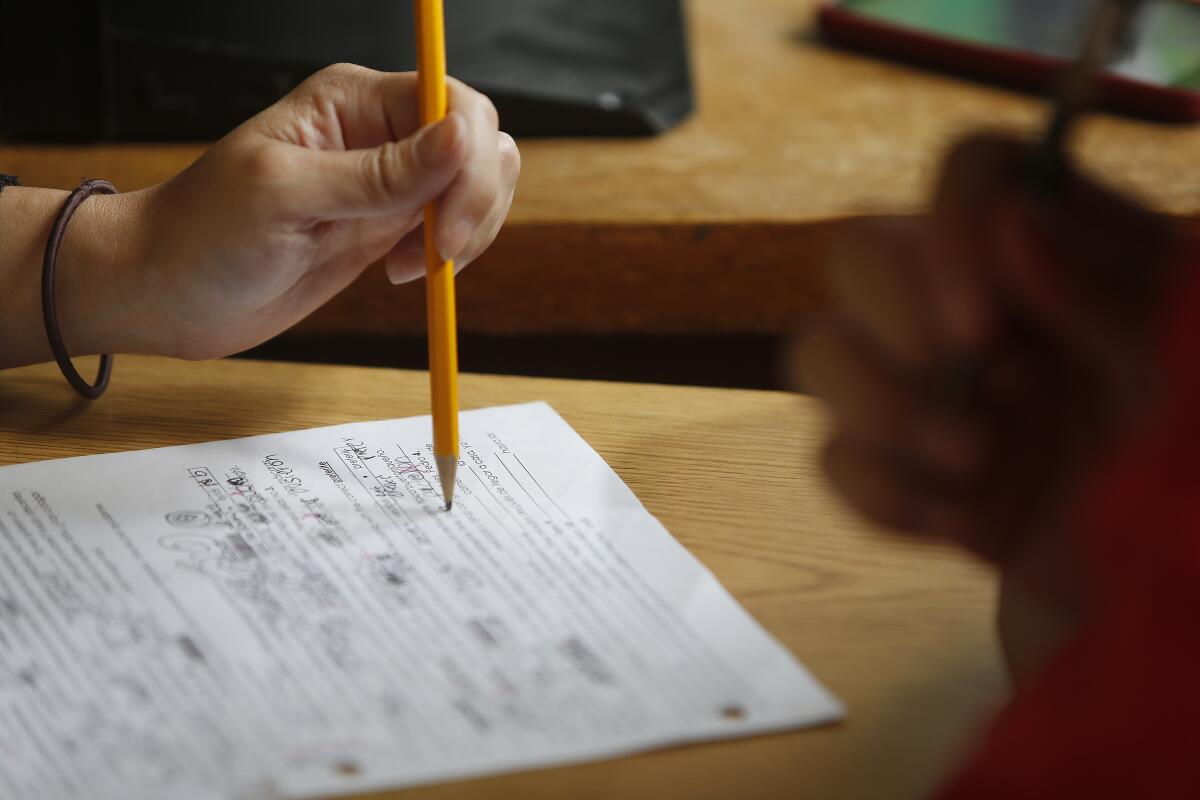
<point>99,291</point>
<point>100,277</point>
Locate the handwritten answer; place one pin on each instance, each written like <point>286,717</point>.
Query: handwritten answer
<point>294,615</point>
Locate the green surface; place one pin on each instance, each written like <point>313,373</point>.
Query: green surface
<point>1166,51</point>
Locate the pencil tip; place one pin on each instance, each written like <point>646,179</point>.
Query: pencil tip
<point>447,472</point>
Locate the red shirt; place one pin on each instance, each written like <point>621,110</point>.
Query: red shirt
<point>1117,713</point>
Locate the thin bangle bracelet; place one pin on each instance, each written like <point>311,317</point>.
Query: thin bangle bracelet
<point>50,313</point>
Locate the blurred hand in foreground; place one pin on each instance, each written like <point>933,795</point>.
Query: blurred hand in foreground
<point>1052,299</point>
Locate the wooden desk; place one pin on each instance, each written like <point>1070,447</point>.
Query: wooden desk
<point>901,632</point>
<point>718,225</point>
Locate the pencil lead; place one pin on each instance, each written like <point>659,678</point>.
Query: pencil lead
<point>447,472</point>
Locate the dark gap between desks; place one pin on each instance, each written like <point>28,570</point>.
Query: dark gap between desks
<point>743,361</point>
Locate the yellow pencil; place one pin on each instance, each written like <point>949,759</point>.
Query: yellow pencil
<point>439,274</point>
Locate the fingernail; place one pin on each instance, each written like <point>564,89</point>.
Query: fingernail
<point>455,239</point>
<point>435,144</point>
<point>405,269</point>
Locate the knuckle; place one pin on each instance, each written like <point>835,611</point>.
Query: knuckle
<point>376,174</point>
<point>343,72</point>
<point>385,171</point>
<point>264,164</point>
<point>335,77</point>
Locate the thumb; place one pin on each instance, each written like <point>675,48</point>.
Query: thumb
<point>396,177</point>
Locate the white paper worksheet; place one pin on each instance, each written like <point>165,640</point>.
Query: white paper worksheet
<point>294,615</point>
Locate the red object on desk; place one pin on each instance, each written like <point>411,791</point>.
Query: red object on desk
<point>1015,67</point>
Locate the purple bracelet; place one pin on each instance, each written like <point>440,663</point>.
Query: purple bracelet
<point>50,313</point>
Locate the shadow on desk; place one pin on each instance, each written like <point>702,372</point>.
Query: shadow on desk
<point>47,410</point>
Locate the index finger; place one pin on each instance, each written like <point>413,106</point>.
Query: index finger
<point>879,295</point>
<point>347,107</point>
<point>979,176</point>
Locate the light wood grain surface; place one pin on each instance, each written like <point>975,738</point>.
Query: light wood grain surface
<point>665,234</point>
<point>901,632</point>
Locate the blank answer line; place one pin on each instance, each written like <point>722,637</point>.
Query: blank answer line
<point>484,505</point>
<point>538,484</point>
<point>532,499</point>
